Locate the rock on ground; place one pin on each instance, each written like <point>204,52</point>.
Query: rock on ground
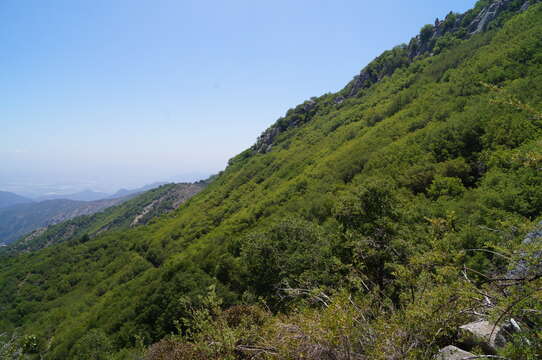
<point>452,353</point>
<point>483,333</point>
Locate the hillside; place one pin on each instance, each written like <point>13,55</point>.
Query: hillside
<point>9,199</point>
<point>136,211</point>
<point>366,224</point>
<point>21,219</point>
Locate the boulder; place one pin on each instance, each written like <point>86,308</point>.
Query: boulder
<point>529,265</point>
<point>452,353</point>
<point>528,4</point>
<point>525,6</point>
<point>484,334</point>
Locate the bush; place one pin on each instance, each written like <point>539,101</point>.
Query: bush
<point>446,186</point>
<point>426,32</point>
<point>94,345</point>
<point>292,252</point>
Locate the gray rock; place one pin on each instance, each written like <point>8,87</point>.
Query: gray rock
<point>528,4</point>
<point>534,235</point>
<point>480,23</point>
<point>266,139</point>
<point>338,100</point>
<point>452,353</point>
<point>309,105</point>
<point>362,81</point>
<point>422,47</point>
<point>526,267</point>
<point>484,334</point>
<point>378,69</point>
<point>294,118</point>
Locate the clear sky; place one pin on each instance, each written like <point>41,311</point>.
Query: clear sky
<point>118,93</point>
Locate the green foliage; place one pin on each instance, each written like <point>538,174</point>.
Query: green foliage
<point>426,32</point>
<point>372,218</point>
<point>293,253</point>
<point>144,206</point>
<point>446,186</point>
<point>94,345</point>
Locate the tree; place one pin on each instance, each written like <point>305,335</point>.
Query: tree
<point>94,345</point>
<point>426,32</point>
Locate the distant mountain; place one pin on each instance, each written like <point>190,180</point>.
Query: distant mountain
<point>91,195</point>
<point>8,199</point>
<point>18,220</point>
<point>26,216</point>
<point>139,210</point>
<point>126,192</point>
<point>85,195</point>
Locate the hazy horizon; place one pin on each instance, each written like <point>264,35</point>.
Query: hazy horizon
<point>40,190</point>
<point>107,95</point>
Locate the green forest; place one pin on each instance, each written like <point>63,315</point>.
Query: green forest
<point>371,223</point>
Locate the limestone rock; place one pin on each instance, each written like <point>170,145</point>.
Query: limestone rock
<point>484,334</point>
<point>452,353</point>
<point>486,15</point>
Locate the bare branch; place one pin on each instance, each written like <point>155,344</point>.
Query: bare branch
<point>492,252</point>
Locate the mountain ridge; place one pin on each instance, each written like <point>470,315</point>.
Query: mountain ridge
<point>137,209</point>
<point>18,220</point>
<point>9,199</point>
<point>435,37</point>
<point>26,218</point>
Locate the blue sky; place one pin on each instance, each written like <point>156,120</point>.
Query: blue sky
<point>118,93</point>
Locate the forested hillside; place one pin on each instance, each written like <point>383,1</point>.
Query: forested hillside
<point>371,223</point>
<point>137,211</point>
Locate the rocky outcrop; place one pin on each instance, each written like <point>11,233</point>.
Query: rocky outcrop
<point>362,81</point>
<point>452,353</point>
<point>424,43</point>
<point>460,25</point>
<point>294,117</point>
<point>266,139</point>
<point>529,266</point>
<point>482,333</point>
<point>166,203</point>
<point>488,14</point>
<point>491,337</point>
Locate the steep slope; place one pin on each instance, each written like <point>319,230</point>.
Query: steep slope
<point>380,196</point>
<point>9,199</point>
<point>136,211</point>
